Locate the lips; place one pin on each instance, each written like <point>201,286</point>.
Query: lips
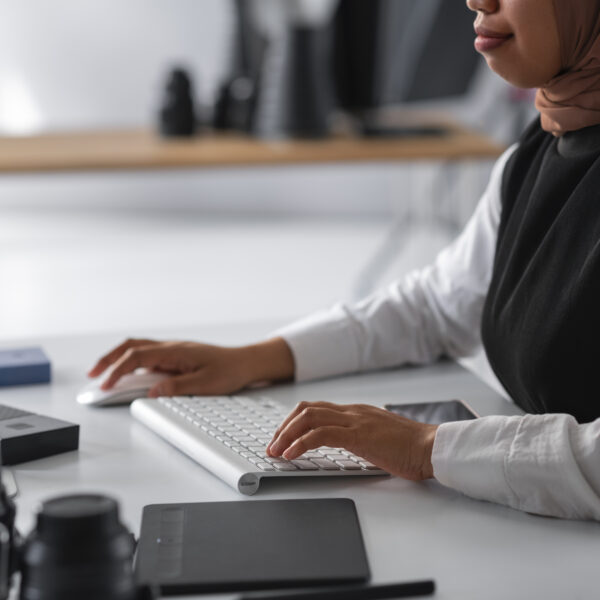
<point>488,39</point>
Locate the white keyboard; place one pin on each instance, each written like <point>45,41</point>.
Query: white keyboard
<point>228,435</point>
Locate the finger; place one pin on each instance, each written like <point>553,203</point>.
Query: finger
<point>297,410</point>
<point>108,359</point>
<point>133,359</point>
<point>332,436</point>
<point>310,418</point>
<point>182,385</point>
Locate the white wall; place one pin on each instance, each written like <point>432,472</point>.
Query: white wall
<point>101,63</point>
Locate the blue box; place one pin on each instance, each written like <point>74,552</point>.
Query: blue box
<point>23,366</point>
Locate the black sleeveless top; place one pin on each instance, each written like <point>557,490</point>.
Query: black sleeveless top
<point>541,321</point>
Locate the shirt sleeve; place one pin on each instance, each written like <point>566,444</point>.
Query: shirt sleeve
<point>542,464</point>
<point>428,313</point>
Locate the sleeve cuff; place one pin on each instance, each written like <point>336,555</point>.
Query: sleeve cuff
<point>471,456</point>
<point>321,345</point>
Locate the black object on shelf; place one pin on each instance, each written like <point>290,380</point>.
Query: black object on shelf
<point>234,109</point>
<point>177,115</point>
<point>309,94</point>
<point>236,100</point>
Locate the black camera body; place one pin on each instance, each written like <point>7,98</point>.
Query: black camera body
<point>77,549</point>
<point>9,542</point>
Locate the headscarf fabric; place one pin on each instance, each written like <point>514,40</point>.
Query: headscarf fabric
<point>571,100</point>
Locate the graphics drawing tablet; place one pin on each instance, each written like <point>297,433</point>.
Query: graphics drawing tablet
<point>250,545</point>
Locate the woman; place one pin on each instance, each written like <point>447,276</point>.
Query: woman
<point>523,279</point>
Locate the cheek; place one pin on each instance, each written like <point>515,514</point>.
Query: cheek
<point>538,38</point>
<point>541,56</point>
<point>533,57</point>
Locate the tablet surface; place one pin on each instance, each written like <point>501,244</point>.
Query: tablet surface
<point>250,545</point>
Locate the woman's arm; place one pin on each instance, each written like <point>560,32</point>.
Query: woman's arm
<point>542,464</point>
<point>430,312</point>
<point>197,368</point>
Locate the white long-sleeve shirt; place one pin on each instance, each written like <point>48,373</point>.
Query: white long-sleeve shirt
<point>544,464</point>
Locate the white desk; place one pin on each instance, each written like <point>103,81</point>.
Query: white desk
<point>412,530</point>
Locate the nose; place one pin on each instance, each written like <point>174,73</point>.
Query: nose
<point>484,6</point>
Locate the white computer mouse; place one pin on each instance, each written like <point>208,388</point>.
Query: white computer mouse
<point>127,389</point>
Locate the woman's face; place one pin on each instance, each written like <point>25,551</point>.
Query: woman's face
<point>519,39</point>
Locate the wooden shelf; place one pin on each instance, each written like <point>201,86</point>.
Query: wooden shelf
<point>135,150</point>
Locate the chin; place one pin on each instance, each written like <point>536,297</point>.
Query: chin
<point>516,77</point>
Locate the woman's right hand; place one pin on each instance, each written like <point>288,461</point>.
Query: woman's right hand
<point>198,369</point>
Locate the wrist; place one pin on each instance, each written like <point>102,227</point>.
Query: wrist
<point>271,360</point>
<point>429,434</point>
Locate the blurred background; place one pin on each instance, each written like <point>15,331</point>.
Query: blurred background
<point>355,106</point>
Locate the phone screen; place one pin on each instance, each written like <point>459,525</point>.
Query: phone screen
<point>434,413</point>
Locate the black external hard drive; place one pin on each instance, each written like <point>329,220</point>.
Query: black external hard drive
<point>26,436</point>
<point>250,545</point>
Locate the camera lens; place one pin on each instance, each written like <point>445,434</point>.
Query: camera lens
<point>78,549</point>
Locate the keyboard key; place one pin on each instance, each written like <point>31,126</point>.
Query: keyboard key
<point>228,429</point>
<point>305,465</point>
<point>365,464</point>
<point>335,457</point>
<point>312,455</point>
<point>285,466</point>
<point>242,439</point>
<point>265,467</point>
<point>346,453</point>
<point>353,457</point>
<point>348,465</point>
<point>325,464</point>
<point>236,419</point>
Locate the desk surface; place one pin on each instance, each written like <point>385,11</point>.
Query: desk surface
<point>412,530</point>
<point>86,151</point>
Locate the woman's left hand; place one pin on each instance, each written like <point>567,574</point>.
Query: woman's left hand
<point>393,443</point>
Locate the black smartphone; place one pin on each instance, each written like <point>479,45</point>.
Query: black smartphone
<point>435,413</point>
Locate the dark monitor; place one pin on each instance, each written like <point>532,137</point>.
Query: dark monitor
<point>389,52</point>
